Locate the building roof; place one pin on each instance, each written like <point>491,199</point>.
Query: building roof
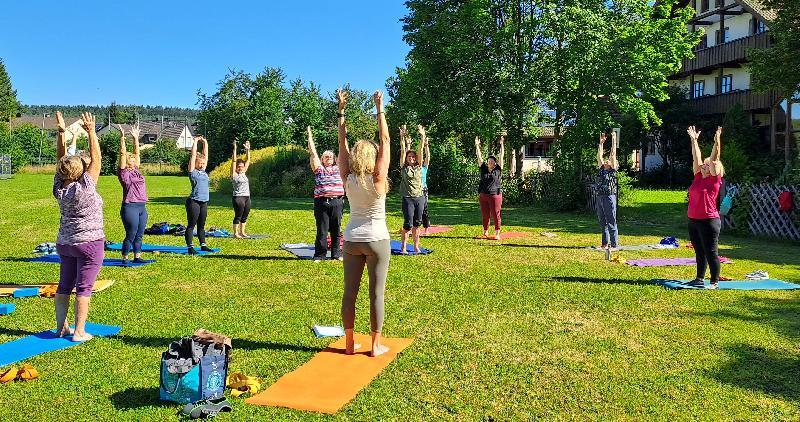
<point>172,129</point>
<point>757,8</point>
<point>49,122</point>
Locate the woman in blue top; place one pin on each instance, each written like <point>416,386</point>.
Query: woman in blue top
<point>197,202</point>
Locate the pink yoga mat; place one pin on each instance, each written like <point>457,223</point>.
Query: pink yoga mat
<point>665,262</point>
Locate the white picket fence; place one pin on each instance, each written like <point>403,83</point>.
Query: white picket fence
<point>765,218</point>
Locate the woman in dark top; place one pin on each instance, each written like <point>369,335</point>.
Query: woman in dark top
<point>606,185</point>
<point>489,188</point>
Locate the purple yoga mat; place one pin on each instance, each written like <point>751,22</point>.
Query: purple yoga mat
<point>664,262</point>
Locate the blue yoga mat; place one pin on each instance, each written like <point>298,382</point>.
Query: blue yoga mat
<point>769,284</point>
<point>46,341</point>
<point>146,247</point>
<point>396,245</point>
<point>108,262</point>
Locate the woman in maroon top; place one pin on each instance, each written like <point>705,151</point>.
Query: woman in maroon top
<point>704,222</point>
<point>134,196</point>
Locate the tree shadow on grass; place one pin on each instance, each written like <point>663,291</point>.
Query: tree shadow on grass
<point>138,397</point>
<point>593,280</point>
<point>519,245</point>
<point>250,257</point>
<point>238,343</point>
<point>758,369</point>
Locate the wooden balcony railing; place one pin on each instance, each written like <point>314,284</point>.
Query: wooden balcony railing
<point>730,52</point>
<point>720,104</point>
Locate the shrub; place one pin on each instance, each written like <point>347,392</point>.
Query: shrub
<point>274,172</point>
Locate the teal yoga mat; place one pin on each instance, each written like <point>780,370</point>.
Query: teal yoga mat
<point>46,341</point>
<point>147,247</point>
<point>108,262</point>
<point>769,284</point>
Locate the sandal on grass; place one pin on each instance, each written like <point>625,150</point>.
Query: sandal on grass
<point>208,408</point>
<point>9,375</point>
<point>241,384</point>
<point>27,373</point>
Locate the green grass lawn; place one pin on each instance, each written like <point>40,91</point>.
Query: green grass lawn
<point>530,328</point>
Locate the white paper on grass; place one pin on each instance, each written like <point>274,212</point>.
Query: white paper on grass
<point>328,331</point>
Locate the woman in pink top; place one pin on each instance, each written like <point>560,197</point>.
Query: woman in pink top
<point>81,239</point>
<point>704,222</point>
<point>134,196</point>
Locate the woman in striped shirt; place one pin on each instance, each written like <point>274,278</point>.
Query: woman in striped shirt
<point>328,201</point>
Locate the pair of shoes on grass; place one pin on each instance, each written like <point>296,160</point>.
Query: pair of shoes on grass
<point>208,408</point>
<point>700,284</point>
<point>26,373</point>
<point>204,248</point>
<point>757,275</point>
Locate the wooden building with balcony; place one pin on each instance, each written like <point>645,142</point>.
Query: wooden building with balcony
<point>717,78</point>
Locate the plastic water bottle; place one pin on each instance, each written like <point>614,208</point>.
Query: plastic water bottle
<point>608,254</point>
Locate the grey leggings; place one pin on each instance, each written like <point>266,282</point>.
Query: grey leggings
<point>376,256</point>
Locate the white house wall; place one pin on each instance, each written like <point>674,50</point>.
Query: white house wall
<point>741,77</point>
<point>186,139</point>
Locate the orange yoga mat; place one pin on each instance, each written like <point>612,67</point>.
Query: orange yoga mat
<point>331,379</point>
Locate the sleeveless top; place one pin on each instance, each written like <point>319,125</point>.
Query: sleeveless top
<point>241,185</point>
<point>367,212</point>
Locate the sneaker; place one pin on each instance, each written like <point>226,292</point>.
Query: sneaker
<point>697,284</point>
<point>602,247</point>
<point>126,263</point>
<point>205,248</point>
<point>341,258</point>
<point>614,248</point>
<point>317,260</point>
<point>138,261</point>
<point>712,286</point>
<point>192,251</point>
<point>757,275</point>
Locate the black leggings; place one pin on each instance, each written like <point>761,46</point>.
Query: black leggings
<point>426,221</point>
<point>196,212</point>
<point>704,235</point>
<point>241,209</point>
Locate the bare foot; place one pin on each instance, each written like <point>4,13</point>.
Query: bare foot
<point>238,236</point>
<point>351,348</point>
<point>378,350</point>
<point>245,235</point>
<point>417,250</point>
<point>82,337</point>
<point>64,332</point>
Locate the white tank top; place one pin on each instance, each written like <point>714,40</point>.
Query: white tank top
<point>367,212</point>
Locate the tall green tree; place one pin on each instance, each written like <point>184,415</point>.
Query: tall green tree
<point>778,67</point>
<point>9,106</point>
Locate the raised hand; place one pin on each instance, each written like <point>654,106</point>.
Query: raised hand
<point>121,130</point>
<point>246,145</point>
<point>602,138</point>
<point>477,141</point>
<point>342,96</point>
<point>718,135</point>
<point>60,122</point>
<point>377,97</point>
<point>694,134</point>
<point>613,136</point>
<point>421,130</point>
<point>88,122</point>
<point>309,134</point>
<point>135,132</point>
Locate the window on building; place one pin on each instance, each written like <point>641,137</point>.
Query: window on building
<point>726,84</point>
<point>719,3</point>
<point>723,36</point>
<point>703,43</point>
<point>699,88</point>
<point>704,6</point>
<point>651,148</point>
<point>761,27</point>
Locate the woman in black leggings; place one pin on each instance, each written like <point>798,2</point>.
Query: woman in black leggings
<point>197,202</point>
<point>704,222</point>
<point>241,191</point>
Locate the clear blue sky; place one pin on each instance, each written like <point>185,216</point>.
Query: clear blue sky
<point>162,52</point>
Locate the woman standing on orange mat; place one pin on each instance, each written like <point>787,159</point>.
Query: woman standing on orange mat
<point>365,172</point>
<point>704,221</point>
<point>81,240</point>
<point>489,188</point>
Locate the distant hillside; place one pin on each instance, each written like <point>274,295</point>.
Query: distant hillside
<point>144,112</point>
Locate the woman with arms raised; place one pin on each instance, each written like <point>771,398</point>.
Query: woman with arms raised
<point>490,194</point>
<point>410,189</point>
<point>704,221</point>
<point>197,201</point>
<point>241,191</point>
<point>365,171</point>
<point>328,201</point>
<point>81,239</point>
<point>134,196</point>
<point>606,185</point>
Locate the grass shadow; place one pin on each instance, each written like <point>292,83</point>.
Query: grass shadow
<point>758,369</point>
<point>594,280</point>
<point>238,343</point>
<point>250,257</point>
<point>138,397</point>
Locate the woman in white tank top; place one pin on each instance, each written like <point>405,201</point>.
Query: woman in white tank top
<point>365,171</point>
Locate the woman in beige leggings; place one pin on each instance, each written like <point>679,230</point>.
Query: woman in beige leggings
<point>365,171</point>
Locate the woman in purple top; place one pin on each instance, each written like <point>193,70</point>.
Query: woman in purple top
<point>81,239</point>
<point>134,196</point>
